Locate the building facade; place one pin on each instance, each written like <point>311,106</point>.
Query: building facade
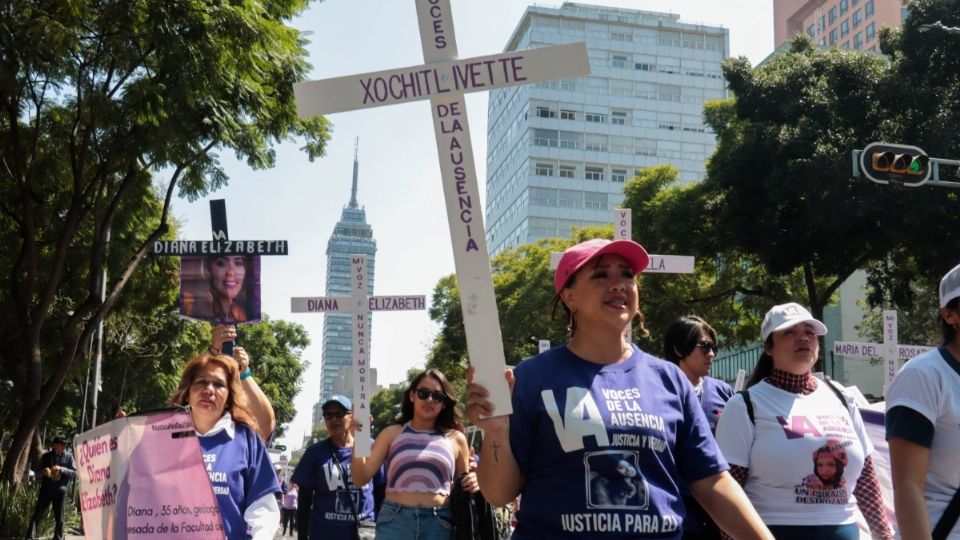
<point>352,235</point>
<point>559,152</point>
<point>846,24</point>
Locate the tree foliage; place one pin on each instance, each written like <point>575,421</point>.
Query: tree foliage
<point>108,110</point>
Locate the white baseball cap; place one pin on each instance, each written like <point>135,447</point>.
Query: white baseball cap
<point>785,316</point>
<point>950,286</point>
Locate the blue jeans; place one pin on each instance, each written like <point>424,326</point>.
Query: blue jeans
<point>402,522</point>
<point>819,532</point>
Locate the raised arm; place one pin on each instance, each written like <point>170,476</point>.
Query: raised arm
<point>257,401</point>
<point>363,469</point>
<point>498,473</point>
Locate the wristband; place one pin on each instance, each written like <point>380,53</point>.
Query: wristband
<point>246,374</point>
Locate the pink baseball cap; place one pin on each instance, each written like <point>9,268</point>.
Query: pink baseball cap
<point>578,255</point>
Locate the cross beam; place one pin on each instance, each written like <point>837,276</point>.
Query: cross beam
<point>890,351</point>
<point>359,304</point>
<point>444,80</point>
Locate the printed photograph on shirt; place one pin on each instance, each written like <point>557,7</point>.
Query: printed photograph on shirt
<point>342,505</point>
<point>826,485</point>
<point>613,480</point>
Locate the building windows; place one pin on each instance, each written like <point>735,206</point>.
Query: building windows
<point>545,137</point>
<point>567,171</point>
<point>832,14</point>
<point>857,18</point>
<point>833,36</point>
<point>595,143</point>
<point>822,42</point>
<point>858,40</point>
<point>846,45</point>
<point>596,117</point>
<point>810,31</point>
<point>821,24</point>
<point>844,28</point>
<point>566,114</point>
<point>545,112</point>
<point>868,8</point>
<point>618,61</point>
<point>645,66</point>
<point>596,201</point>
<point>618,117</point>
<point>621,36</point>
<point>618,175</point>
<point>871,31</point>
<point>569,139</point>
<point>544,169</point>
<point>593,173</point>
<point>844,6</point>
<point>904,13</point>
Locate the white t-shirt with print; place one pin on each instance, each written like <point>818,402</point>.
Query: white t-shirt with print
<point>930,386</point>
<point>781,451</point>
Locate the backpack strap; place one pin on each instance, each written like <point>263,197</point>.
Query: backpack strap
<point>840,395</point>
<point>746,401</point>
<point>949,518</point>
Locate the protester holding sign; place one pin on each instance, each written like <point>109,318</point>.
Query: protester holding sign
<point>237,461</point>
<point>923,428</point>
<point>797,445</point>
<point>331,507</point>
<point>424,452</point>
<point>602,433</point>
<point>57,468</point>
<point>691,343</point>
<point>258,402</point>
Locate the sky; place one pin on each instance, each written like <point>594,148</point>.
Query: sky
<point>399,180</point>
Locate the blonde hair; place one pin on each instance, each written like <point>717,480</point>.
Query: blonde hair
<point>236,398</point>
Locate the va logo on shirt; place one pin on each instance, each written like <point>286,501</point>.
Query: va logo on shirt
<point>573,427</point>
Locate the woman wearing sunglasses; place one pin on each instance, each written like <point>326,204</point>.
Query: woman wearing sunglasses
<point>691,343</point>
<point>424,451</point>
<point>602,434</point>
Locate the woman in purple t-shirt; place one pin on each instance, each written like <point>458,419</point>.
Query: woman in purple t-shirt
<point>601,432</point>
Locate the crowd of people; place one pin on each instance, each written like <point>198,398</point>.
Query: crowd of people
<point>605,440</point>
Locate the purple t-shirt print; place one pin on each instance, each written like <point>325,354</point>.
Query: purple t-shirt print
<point>603,448</point>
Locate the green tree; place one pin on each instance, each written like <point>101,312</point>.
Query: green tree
<point>100,100</point>
<point>779,187</point>
<point>729,289</point>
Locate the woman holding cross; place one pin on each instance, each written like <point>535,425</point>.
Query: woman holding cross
<point>602,433</point>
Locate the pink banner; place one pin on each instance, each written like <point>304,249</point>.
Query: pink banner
<point>142,477</point>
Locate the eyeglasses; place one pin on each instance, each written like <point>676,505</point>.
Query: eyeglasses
<point>335,414</point>
<point>707,346</point>
<point>436,395</point>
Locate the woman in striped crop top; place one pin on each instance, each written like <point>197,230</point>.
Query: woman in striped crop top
<point>424,451</point>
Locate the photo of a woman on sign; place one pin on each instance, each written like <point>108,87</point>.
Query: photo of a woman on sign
<point>220,288</point>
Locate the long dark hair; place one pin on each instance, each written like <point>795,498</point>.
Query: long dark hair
<point>764,366</point>
<point>683,335</point>
<point>948,331</point>
<point>449,417</point>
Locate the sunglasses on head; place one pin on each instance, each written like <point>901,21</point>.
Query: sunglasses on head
<point>707,346</point>
<point>436,395</point>
<point>335,414</point>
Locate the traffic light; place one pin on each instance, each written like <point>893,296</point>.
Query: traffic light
<point>895,163</point>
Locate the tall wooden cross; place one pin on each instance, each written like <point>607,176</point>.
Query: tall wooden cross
<point>359,304</point>
<point>444,80</point>
<point>891,351</point>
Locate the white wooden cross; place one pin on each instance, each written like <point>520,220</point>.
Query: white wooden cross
<point>359,304</point>
<point>659,264</point>
<point>444,80</point>
<point>889,350</point>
